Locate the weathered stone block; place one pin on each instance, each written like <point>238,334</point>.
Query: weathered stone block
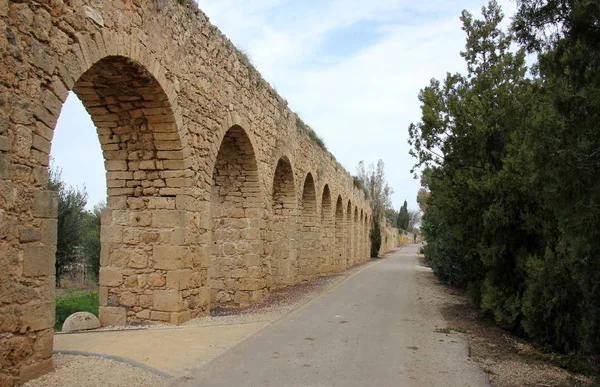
<point>160,316</point>
<point>138,260</point>
<point>178,318</point>
<point>179,279</point>
<point>169,300</point>
<point>103,295</point>
<point>27,235</point>
<point>111,234</point>
<point>4,167</point>
<point>110,276</point>
<point>38,260</point>
<point>168,257</point>
<point>167,218</point>
<point>35,370</point>
<point>38,315</point>
<point>146,300</point>
<point>116,165</point>
<point>44,342</point>
<point>143,314</point>
<point>45,204</point>
<point>112,316</point>
<point>128,299</point>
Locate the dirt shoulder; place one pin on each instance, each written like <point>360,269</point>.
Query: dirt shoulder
<point>508,360</point>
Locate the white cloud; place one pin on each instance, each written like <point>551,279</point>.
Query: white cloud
<point>362,104</point>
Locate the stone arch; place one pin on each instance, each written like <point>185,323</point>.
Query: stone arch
<point>355,238</point>
<point>326,232</point>
<point>146,164</point>
<point>338,258</point>
<point>369,226</point>
<point>134,109</point>
<point>349,238</point>
<point>362,243</point>
<point>309,231</point>
<point>238,274</point>
<point>284,207</point>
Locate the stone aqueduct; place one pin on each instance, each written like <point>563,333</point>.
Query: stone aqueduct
<point>216,192</point>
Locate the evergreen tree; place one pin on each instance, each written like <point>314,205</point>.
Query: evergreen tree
<point>478,221</point>
<point>562,302</point>
<point>403,217</point>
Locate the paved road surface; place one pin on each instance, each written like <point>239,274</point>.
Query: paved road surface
<point>375,329</point>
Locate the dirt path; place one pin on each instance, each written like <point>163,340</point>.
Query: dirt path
<point>508,360</point>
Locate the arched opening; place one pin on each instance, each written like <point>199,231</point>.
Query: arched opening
<point>326,265</point>
<point>238,272</point>
<point>77,174</point>
<point>338,258</point>
<point>355,238</point>
<point>142,229</point>
<point>309,230</point>
<point>361,236</point>
<point>284,264</point>
<point>348,252</point>
<point>367,237</point>
<point>143,267</point>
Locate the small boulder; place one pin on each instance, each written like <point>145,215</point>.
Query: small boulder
<point>80,321</point>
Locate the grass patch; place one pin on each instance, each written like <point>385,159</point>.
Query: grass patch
<point>75,301</point>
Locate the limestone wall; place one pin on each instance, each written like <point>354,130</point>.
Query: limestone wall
<point>389,238</point>
<point>216,192</point>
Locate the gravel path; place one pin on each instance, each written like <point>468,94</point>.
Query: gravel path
<point>83,371</point>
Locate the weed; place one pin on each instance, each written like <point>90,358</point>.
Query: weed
<point>301,126</point>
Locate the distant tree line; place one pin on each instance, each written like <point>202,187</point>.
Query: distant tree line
<point>509,159</point>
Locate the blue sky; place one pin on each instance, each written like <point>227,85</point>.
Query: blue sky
<point>351,69</point>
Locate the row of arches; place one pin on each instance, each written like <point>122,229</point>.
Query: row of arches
<point>198,213</point>
<point>297,235</point>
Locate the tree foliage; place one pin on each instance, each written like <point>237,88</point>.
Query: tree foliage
<point>71,222</point>
<point>510,163</point>
<point>403,217</point>
<point>91,238</point>
<point>71,217</point>
<point>414,218</point>
<point>391,216</point>
<point>373,178</point>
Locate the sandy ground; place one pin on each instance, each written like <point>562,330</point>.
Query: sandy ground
<point>95,372</point>
<point>508,360</point>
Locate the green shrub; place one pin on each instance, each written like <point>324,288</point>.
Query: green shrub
<point>375,241</point>
<point>76,301</point>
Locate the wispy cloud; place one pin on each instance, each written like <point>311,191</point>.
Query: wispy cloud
<point>353,69</point>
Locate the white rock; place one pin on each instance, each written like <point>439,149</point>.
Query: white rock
<point>95,15</point>
<point>80,321</point>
